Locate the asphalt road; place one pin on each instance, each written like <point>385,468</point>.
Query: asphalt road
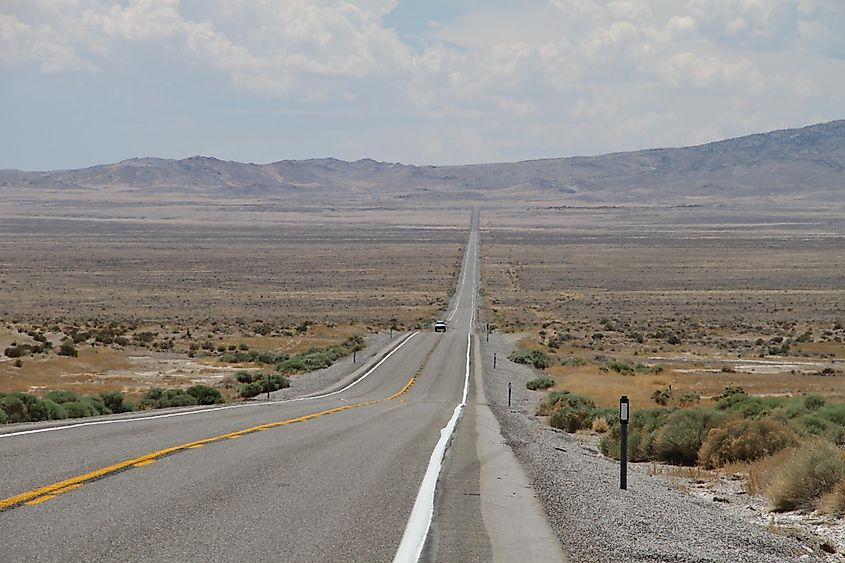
<point>325,479</point>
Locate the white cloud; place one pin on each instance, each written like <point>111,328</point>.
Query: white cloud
<point>688,69</point>
<point>12,33</point>
<point>23,44</point>
<point>521,109</point>
<point>682,25</point>
<point>333,39</point>
<point>629,9</point>
<point>140,20</point>
<point>537,73</point>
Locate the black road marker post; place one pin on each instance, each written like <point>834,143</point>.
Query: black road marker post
<point>268,386</point>
<point>488,332</point>
<point>494,360</point>
<point>623,445</point>
<point>354,356</point>
<point>509,393</point>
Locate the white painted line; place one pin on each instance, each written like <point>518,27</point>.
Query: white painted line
<point>464,267</point>
<point>416,530</point>
<point>212,409</point>
<point>419,523</point>
<point>357,381</point>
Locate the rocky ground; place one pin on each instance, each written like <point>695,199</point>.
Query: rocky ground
<point>657,518</point>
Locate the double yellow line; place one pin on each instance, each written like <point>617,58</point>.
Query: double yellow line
<point>41,494</point>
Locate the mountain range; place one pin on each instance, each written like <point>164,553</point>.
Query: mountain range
<point>804,165</point>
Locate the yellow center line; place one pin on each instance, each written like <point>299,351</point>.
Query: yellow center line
<point>39,500</point>
<point>68,488</point>
<point>41,494</point>
<point>140,464</point>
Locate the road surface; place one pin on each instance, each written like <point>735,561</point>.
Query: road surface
<point>359,473</point>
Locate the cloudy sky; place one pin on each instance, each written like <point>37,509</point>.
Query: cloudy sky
<point>417,81</point>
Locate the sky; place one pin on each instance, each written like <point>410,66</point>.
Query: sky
<point>85,82</point>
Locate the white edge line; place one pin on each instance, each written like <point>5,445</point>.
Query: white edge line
<point>416,530</point>
<point>357,381</point>
<point>463,278</point>
<point>201,411</point>
<point>419,523</point>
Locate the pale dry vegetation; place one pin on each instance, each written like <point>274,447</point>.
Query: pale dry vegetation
<point>715,298</point>
<point>139,357</point>
<point>724,328</point>
<point>138,303</point>
<point>281,274</point>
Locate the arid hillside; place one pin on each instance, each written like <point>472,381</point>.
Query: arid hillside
<point>794,167</point>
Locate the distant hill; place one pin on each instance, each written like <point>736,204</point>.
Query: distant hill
<point>793,165</point>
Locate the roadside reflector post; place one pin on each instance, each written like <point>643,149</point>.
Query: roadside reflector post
<point>488,332</point>
<point>354,356</point>
<point>494,360</point>
<point>623,442</point>
<point>268,386</point>
<point>509,393</point>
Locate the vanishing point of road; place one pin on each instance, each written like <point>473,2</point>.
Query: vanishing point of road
<point>401,463</point>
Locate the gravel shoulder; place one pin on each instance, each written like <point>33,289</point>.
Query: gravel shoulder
<point>595,520</point>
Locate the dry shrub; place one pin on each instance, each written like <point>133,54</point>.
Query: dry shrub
<point>834,501</point>
<point>680,438</point>
<point>556,400</point>
<point>745,440</point>
<point>763,472</point>
<point>814,470</point>
<point>572,418</point>
<point>641,431</point>
<point>600,425</point>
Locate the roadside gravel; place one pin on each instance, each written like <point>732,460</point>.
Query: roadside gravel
<point>594,519</point>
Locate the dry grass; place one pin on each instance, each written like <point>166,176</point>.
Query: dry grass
<point>716,298</point>
<point>694,472</point>
<point>834,502</point>
<point>745,440</point>
<point>760,474</point>
<point>802,477</point>
<point>132,369</point>
<point>679,477</point>
<point>707,295</point>
<point>716,279</point>
<point>178,272</point>
<point>605,387</point>
<point>691,290</point>
<point>600,425</point>
<point>813,470</point>
<point>221,276</point>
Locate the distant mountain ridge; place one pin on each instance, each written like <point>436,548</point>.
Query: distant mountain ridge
<point>806,164</point>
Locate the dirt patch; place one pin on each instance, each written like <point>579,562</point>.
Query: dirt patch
<point>714,297</point>
<point>133,369</point>
<point>84,270</point>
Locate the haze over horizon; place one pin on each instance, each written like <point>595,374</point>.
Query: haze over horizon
<point>87,82</point>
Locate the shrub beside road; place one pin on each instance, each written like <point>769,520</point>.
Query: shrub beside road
<point>738,428</point>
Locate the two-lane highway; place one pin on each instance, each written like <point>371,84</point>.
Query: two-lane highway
<point>323,479</point>
<point>345,476</point>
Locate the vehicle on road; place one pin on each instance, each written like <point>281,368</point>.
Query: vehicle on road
<point>440,326</point>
